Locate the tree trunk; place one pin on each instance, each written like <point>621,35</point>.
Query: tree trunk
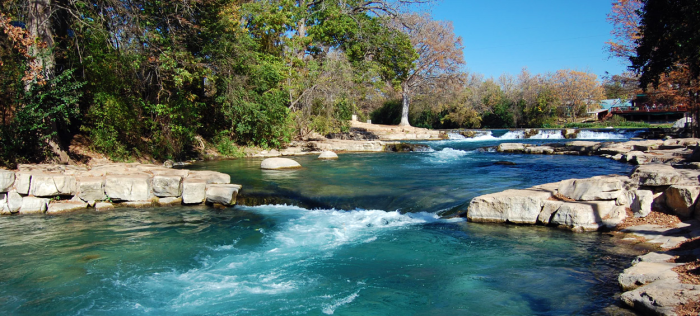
<point>405,100</point>
<point>39,26</point>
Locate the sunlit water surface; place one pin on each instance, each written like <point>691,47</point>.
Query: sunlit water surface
<point>352,253</point>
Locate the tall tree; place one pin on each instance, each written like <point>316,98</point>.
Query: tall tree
<point>577,90</point>
<point>669,44</point>
<point>439,56</point>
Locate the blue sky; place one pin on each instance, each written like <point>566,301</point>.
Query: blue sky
<point>503,36</point>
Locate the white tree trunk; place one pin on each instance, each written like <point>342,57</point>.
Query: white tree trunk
<point>405,102</point>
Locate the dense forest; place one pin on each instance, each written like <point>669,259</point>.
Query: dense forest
<point>164,79</point>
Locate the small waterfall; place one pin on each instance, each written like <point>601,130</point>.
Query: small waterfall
<point>486,135</point>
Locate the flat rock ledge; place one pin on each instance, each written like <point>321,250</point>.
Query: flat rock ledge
<point>650,285</point>
<point>55,189</point>
<point>637,152</point>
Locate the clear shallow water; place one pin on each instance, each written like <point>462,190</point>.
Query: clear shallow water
<point>445,178</point>
<point>287,260</point>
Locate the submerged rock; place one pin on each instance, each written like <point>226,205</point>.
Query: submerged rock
<point>404,147</point>
<point>328,155</point>
<point>279,163</point>
<point>504,163</point>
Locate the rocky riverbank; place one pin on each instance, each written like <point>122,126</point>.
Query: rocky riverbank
<point>638,152</point>
<point>664,185</point>
<point>63,188</point>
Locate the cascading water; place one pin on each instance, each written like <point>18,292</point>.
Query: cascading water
<point>487,135</point>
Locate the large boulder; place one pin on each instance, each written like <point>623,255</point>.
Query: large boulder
<point>279,163</point>
<point>167,185</point>
<point>511,148</point>
<point>640,202</point>
<point>681,199</point>
<point>33,205</point>
<point>91,188</point>
<point>48,185</point>
<point>7,180</point>
<point>224,194</point>
<point>591,189</point>
<point>513,206</point>
<point>194,191</point>
<point>656,175</point>
<point>210,177</point>
<point>128,188</point>
<point>588,216</point>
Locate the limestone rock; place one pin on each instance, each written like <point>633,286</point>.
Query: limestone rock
<point>7,179</point>
<point>65,207</point>
<point>279,163</point>
<point>591,189</point>
<point>640,202</point>
<point>548,210</point>
<point>513,206</point>
<point>169,201</point>
<point>210,177</point>
<point>614,149</point>
<point>569,133</point>
<point>128,188</point>
<point>91,188</point>
<point>137,204</point>
<point>328,155</point>
<point>656,175</point>
<point>103,206</point>
<point>224,194</point>
<point>193,191</point>
<point>47,185</point>
<point>583,146</point>
<point>14,201</point>
<point>644,273</point>
<point>661,297</point>
<point>585,216</point>
<point>167,186</point>
<point>33,205</point>
<point>681,199</point>
<point>539,150</point>
<point>4,209</point>
<point>511,148</point>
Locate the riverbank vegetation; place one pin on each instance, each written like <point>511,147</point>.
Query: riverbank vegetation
<point>166,79</point>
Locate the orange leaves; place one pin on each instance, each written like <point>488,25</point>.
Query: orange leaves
<point>625,31</point>
<point>23,42</point>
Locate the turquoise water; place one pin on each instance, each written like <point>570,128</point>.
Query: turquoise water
<point>350,254</point>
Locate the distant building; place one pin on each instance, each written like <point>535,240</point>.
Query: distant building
<point>639,109</point>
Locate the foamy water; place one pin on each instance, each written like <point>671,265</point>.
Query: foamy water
<point>555,134</point>
<point>300,239</point>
